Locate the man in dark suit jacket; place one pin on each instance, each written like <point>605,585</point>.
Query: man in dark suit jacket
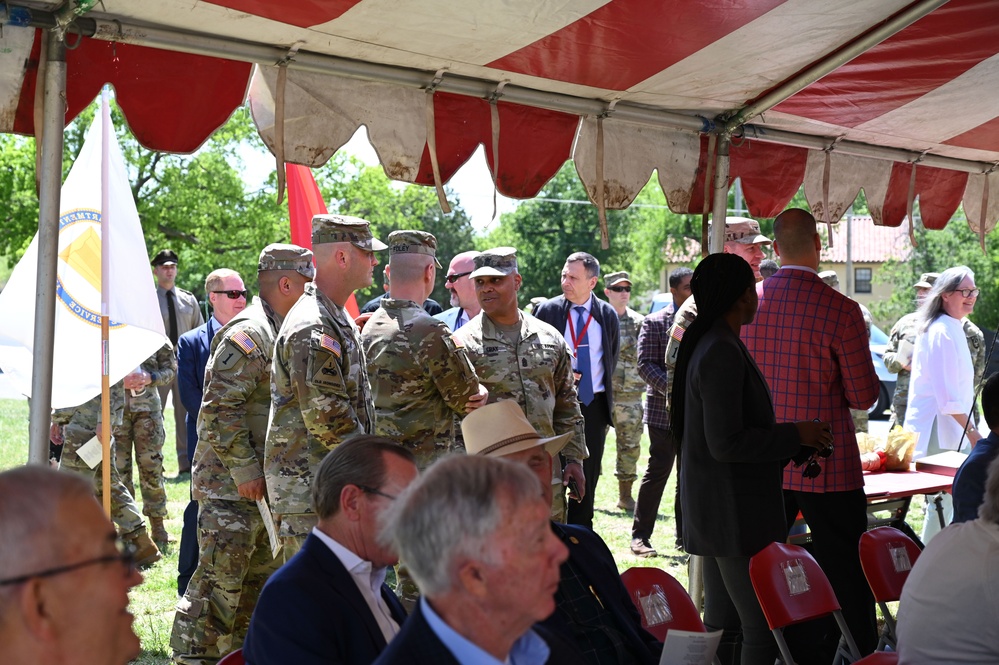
<point>591,603</point>
<point>592,330</point>
<point>322,607</point>
<point>193,351</point>
<point>475,534</point>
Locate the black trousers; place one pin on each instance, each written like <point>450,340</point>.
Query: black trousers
<point>730,604</point>
<point>187,555</point>
<point>597,419</point>
<point>836,520</point>
<point>662,453</point>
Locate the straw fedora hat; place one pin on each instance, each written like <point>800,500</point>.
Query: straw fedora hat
<point>502,428</point>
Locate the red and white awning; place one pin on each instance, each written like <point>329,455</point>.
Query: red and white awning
<point>585,72</point>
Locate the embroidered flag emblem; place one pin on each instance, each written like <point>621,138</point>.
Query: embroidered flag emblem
<point>457,342</point>
<point>677,333</point>
<point>330,345</point>
<point>243,341</point>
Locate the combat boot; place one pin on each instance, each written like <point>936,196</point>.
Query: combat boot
<point>145,551</point>
<point>625,502</point>
<point>159,532</point>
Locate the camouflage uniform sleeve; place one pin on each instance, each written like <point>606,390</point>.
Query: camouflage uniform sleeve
<point>566,415</point>
<point>976,344</point>
<point>891,357</point>
<point>162,366</point>
<point>61,416</point>
<point>684,317</point>
<point>317,373</point>
<point>236,371</point>
<point>449,367</point>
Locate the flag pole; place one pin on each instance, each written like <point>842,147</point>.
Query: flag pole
<point>106,460</point>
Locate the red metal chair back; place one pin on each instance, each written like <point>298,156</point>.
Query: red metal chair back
<point>887,555</point>
<point>662,602</point>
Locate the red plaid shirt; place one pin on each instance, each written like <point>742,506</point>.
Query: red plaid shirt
<point>811,344</point>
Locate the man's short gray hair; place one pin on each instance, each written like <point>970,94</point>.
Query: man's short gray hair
<point>451,513</point>
<point>590,263</point>
<point>30,536</point>
<point>989,510</point>
<point>933,305</point>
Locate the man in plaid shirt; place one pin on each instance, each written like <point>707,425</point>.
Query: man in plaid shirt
<point>810,342</point>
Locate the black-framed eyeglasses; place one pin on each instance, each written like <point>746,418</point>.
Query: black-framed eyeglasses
<point>125,556</point>
<point>967,293</point>
<point>376,492</point>
<point>234,294</point>
<point>451,279</point>
<point>619,289</point>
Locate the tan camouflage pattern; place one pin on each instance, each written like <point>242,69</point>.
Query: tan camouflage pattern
<point>79,425</point>
<point>233,565</point>
<point>343,228</point>
<point>318,399</point>
<point>414,242</point>
<point>628,390</point>
<point>281,256</point>
<point>681,321</point>
<point>498,261</point>
<point>421,378</point>
<point>976,345</point>
<point>142,430</point>
<point>537,372</point>
<point>232,423</point>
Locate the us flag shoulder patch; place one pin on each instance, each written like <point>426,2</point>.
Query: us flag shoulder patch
<point>243,342</point>
<point>330,345</point>
<point>677,333</point>
<point>457,342</point>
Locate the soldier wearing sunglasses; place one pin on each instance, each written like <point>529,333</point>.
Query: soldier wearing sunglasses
<point>64,580</point>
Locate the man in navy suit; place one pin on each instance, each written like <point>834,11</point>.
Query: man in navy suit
<point>193,351</point>
<point>592,607</point>
<point>329,604</point>
<point>592,331</point>
<point>474,533</point>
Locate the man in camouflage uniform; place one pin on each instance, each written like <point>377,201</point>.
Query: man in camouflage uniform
<point>421,377</point>
<point>902,340</point>
<point>75,426</point>
<point>234,550</point>
<point>142,428</point>
<point>628,389</point>
<point>521,358</point>
<point>319,382</point>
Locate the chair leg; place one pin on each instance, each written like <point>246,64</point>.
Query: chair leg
<point>852,653</point>
<point>785,653</point>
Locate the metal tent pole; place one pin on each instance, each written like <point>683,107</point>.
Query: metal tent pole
<point>719,208</point>
<point>48,248</point>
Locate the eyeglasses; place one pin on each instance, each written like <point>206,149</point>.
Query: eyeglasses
<point>451,279</point>
<point>619,289</point>
<point>372,490</point>
<point>967,293</point>
<point>125,556</point>
<point>234,294</point>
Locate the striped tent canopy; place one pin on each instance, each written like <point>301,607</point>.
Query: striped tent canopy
<point>896,97</point>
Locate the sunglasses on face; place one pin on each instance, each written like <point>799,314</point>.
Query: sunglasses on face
<point>967,293</point>
<point>619,289</point>
<point>234,294</point>
<point>451,279</point>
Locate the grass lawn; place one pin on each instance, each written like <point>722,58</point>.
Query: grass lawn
<point>153,602</point>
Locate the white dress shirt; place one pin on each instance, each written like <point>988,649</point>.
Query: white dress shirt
<point>369,582</point>
<point>594,337</point>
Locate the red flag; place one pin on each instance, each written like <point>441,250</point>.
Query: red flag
<point>304,201</point>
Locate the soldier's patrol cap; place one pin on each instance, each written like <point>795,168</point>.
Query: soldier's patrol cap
<point>343,228</point>
<point>165,257</point>
<point>829,277</point>
<point>926,280</point>
<point>616,278</point>
<point>744,231</point>
<point>414,242</point>
<point>281,256</point>
<point>496,262</point>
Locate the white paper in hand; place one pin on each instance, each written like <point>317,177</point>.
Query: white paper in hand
<point>683,647</point>
<point>91,452</point>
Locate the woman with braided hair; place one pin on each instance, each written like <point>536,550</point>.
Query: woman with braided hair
<point>733,455</point>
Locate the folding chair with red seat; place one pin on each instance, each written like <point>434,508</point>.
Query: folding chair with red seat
<point>887,555</point>
<point>233,658</point>
<point>879,658</point>
<point>662,602</point>
<point>792,588</point>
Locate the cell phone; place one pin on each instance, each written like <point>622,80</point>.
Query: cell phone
<point>574,491</point>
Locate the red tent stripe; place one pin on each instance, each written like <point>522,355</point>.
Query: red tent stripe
<point>300,13</point>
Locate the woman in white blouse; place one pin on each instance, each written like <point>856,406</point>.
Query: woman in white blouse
<point>942,385</point>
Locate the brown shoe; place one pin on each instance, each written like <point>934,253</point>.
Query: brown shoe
<point>145,551</point>
<point>625,502</point>
<point>642,548</point>
<point>159,532</point>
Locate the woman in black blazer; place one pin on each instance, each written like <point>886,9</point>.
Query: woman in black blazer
<point>733,455</point>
